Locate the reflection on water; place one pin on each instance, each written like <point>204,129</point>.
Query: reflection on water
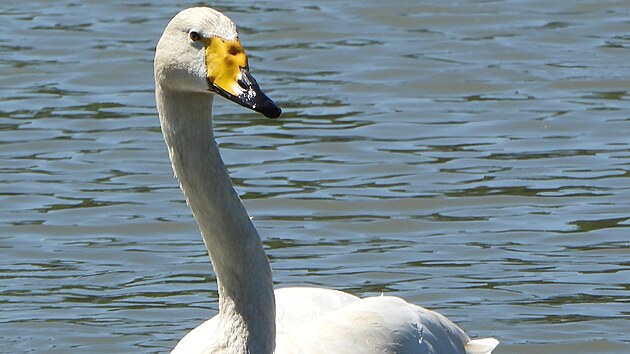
<point>468,156</point>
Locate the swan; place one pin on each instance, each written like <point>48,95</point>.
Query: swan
<point>198,56</point>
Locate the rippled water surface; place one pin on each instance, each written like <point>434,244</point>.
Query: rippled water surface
<point>470,156</point>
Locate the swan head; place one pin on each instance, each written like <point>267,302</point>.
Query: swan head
<point>200,52</point>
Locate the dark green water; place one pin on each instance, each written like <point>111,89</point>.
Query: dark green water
<point>471,156</point>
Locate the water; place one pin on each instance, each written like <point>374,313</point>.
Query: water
<point>470,156</point>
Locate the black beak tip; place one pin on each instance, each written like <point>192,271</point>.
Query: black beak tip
<point>269,109</point>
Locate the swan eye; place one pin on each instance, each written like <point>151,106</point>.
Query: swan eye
<point>194,36</point>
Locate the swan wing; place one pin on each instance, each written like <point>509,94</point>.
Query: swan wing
<point>382,324</point>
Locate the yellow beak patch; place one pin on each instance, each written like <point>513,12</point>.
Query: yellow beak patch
<point>224,60</point>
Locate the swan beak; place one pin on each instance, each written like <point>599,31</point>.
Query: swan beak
<point>229,76</point>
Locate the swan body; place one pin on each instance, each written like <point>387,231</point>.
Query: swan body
<point>199,56</point>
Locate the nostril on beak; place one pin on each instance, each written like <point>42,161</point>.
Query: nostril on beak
<point>242,84</point>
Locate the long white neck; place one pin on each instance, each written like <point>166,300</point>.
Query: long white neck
<point>246,300</point>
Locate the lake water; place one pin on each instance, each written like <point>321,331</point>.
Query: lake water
<point>470,156</point>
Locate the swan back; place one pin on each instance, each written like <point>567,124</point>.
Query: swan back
<point>383,324</point>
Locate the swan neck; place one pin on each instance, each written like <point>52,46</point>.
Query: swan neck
<point>246,299</point>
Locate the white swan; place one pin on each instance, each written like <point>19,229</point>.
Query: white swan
<point>199,55</point>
